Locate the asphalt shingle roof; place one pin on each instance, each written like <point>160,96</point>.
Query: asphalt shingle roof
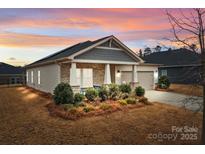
<point>174,57</point>
<point>9,69</point>
<point>68,51</point>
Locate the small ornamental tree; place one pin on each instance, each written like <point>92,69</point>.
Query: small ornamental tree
<point>63,94</point>
<point>163,82</point>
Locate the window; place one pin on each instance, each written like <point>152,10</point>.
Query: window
<point>39,77</point>
<point>84,77</point>
<point>164,72</point>
<point>27,76</point>
<point>87,78</point>
<point>31,76</point>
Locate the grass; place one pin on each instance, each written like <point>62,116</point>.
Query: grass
<point>194,90</point>
<point>26,120</point>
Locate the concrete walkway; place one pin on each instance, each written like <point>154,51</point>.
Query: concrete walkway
<point>193,103</point>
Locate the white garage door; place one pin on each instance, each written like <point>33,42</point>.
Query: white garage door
<point>126,77</point>
<point>146,79</point>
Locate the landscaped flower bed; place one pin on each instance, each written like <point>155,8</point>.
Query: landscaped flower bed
<point>106,100</point>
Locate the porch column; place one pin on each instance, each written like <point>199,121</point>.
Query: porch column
<point>107,77</point>
<point>134,73</point>
<point>73,74</point>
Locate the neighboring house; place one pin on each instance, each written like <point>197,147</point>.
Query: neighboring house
<point>180,66</point>
<point>91,63</point>
<point>11,75</point>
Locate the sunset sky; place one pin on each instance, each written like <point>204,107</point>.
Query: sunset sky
<point>27,35</point>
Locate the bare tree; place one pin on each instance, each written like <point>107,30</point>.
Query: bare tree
<point>188,29</point>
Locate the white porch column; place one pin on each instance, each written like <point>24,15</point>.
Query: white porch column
<point>134,73</point>
<point>107,77</point>
<point>73,74</point>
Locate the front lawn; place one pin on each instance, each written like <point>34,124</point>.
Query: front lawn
<point>187,89</point>
<point>26,120</point>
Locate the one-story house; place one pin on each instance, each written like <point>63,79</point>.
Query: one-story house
<point>10,75</point>
<point>92,63</point>
<point>180,66</point>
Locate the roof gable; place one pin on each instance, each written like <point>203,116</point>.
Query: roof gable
<point>80,48</point>
<point>106,54</point>
<point>110,43</point>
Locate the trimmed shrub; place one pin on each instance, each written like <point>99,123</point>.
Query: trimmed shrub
<point>91,94</point>
<point>163,82</point>
<point>125,88</point>
<point>78,98</point>
<point>139,91</point>
<point>105,106</point>
<point>113,91</point>
<point>131,101</point>
<point>63,94</point>
<point>122,102</point>
<point>103,93</point>
<point>88,109</point>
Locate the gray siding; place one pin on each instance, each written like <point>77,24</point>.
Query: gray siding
<point>105,54</point>
<point>183,75</point>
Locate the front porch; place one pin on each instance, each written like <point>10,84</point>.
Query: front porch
<point>85,75</point>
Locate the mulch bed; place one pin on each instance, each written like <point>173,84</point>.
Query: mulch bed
<point>58,111</point>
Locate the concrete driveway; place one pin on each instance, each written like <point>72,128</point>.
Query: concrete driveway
<point>193,103</point>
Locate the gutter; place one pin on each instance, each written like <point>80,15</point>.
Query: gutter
<point>47,62</point>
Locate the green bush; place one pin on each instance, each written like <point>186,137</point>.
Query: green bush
<point>122,102</point>
<point>91,94</point>
<point>125,88</point>
<point>78,98</point>
<point>163,82</point>
<point>88,109</point>
<point>131,101</point>
<point>139,91</point>
<point>63,94</point>
<point>103,93</point>
<point>113,91</point>
<point>105,106</point>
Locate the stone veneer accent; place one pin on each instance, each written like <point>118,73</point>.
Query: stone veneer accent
<point>65,72</point>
